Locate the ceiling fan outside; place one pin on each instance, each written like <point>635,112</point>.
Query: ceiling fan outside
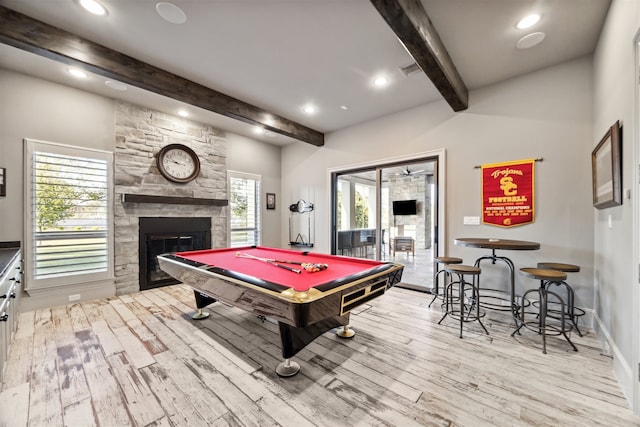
<point>409,172</point>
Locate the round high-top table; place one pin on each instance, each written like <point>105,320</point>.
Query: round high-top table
<point>502,244</point>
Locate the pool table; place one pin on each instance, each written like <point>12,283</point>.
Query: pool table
<point>305,304</point>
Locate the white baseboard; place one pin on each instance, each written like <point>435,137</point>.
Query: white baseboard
<point>621,367</point>
<point>63,295</point>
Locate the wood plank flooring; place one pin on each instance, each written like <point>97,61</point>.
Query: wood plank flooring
<point>139,360</point>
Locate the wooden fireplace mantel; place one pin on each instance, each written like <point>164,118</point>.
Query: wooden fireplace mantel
<point>176,200</point>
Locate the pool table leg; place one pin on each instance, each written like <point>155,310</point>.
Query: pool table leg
<point>200,315</point>
<point>294,339</point>
<point>202,301</point>
<point>287,368</point>
<point>345,332</point>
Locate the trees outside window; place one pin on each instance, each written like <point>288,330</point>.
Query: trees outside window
<point>362,211</point>
<point>70,224</point>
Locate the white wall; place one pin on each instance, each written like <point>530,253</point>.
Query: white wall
<point>247,155</point>
<point>36,109</point>
<point>615,269</point>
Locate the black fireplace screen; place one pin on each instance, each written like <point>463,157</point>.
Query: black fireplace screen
<point>163,235</point>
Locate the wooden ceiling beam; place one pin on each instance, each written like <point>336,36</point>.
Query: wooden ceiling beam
<point>411,24</point>
<point>37,37</point>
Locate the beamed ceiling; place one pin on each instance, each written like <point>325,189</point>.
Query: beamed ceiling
<point>243,64</point>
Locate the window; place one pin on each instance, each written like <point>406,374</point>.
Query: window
<point>244,207</point>
<point>69,226</point>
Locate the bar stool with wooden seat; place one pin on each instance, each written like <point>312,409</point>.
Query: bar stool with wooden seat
<point>540,324</point>
<point>573,312</point>
<point>469,306</point>
<point>437,272</point>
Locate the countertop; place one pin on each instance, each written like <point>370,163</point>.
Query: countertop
<point>8,251</point>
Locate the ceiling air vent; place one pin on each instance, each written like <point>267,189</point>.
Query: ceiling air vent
<point>407,70</point>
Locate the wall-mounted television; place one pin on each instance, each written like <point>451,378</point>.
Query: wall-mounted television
<point>405,207</point>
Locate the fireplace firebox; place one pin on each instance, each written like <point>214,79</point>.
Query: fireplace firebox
<point>160,235</point>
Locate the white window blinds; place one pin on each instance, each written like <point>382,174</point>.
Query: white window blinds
<point>244,206</point>
<point>69,192</point>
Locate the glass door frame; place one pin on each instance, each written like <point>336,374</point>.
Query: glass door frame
<point>436,156</point>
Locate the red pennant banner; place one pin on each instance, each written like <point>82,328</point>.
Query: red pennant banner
<point>507,193</point>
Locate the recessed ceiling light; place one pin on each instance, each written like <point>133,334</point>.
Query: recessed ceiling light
<point>309,109</point>
<point>116,85</point>
<point>92,6</point>
<point>380,81</point>
<point>171,13</point>
<point>77,73</point>
<point>528,21</point>
<point>344,107</point>
<point>530,40</point>
<point>183,113</point>
<point>258,129</point>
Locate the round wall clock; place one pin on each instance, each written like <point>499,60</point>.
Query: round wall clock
<point>178,163</point>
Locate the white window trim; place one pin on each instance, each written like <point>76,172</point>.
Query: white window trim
<point>244,175</point>
<point>32,285</point>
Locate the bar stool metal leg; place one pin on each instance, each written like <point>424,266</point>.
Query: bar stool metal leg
<point>448,300</point>
<point>541,325</point>
<point>573,312</point>
<point>570,307</point>
<point>476,300</point>
<point>437,273</point>
<point>543,318</point>
<point>563,326</point>
<point>468,305</point>
<point>436,282</point>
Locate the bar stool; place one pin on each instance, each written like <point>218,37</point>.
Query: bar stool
<point>540,325</point>
<point>572,311</point>
<point>467,304</point>
<point>437,272</point>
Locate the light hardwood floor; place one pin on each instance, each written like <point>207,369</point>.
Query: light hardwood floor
<point>140,360</point>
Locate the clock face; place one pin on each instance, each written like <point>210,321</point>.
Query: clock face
<point>178,163</point>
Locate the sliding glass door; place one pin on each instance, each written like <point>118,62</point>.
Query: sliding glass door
<point>389,212</point>
<point>356,214</point>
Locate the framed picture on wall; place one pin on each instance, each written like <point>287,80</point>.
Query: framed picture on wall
<point>271,200</point>
<point>606,166</point>
<point>3,185</point>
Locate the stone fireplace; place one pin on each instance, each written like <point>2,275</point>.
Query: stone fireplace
<point>140,133</point>
<point>160,235</point>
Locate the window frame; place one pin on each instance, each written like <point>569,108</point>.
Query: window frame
<point>65,280</point>
<point>258,201</point>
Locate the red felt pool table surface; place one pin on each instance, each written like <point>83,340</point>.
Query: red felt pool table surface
<point>339,267</point>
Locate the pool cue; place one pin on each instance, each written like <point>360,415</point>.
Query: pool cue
<point>320,266</point>
<point>241,255</point>
<point>268,261</point>
<point>295,270</point>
